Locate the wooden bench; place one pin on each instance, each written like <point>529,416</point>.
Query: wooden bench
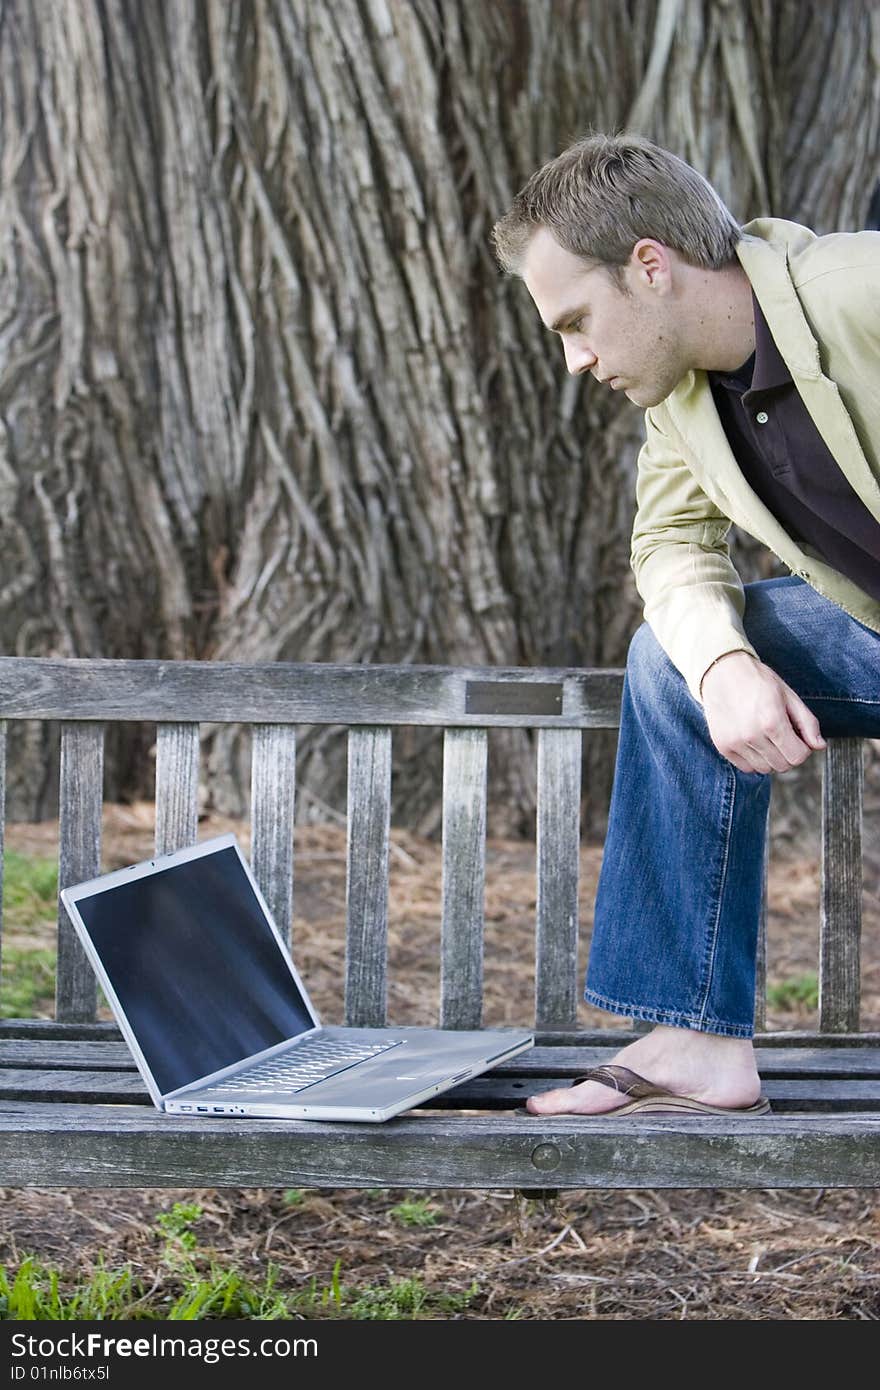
<point>73,1110</point>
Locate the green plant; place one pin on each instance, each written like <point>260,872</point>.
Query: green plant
<point>30,888</point>
<point>175,1227</point>
<point>176,1224</point>
<point>789,994</point>
<point>401,1300</point>
<point>28,984</point>
<point>35,1294</point>
<point>293,1197</point>
<point>415,1211</point>
<point>226,1294</point>
<point>405,1300</point>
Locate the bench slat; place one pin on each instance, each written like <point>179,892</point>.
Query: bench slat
<point>465,756</point>
<point>827,1063</point>
<point>558,865</point>
<point>2,827</point>
<point>492,1091</point>
<point>301,693</point>
<point>80,806</point>
<point>366,898</point>
<point>177,786</point>
<point>840,922</point>
<point>76,1145</point>
<point>273,786</point>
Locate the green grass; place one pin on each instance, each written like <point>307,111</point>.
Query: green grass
<point>415,1211</point>
<point>27,989</point>
<point>791,994</point>
<point>401,1300</point>
<point>30,889</point>
<point>193,1287</point>
<point>37,1293</point>
<point>30,900</point>
<point>406,1300</point>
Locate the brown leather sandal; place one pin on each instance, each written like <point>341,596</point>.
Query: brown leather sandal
<point>649,1099</point>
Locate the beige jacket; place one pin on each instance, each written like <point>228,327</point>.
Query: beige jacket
<point>821,298</point>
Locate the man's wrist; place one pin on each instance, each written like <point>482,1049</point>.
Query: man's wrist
<point>734,651</point>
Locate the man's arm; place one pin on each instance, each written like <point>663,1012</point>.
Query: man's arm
<point>692,593</point>
<point>694,603</point>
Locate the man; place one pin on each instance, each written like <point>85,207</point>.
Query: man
<point>755,352</point>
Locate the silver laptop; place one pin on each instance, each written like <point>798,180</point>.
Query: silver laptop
<point>216,1015</point>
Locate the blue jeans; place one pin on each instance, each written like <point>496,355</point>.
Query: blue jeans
<point>678,901</point>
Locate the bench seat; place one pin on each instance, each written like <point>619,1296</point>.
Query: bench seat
<point>74,1111</point>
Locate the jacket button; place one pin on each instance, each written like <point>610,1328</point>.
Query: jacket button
<point>762,417</point>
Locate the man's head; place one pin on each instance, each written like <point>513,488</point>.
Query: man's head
<point>610,238</point>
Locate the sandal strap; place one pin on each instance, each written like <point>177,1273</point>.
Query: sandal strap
<point>621,1079</point>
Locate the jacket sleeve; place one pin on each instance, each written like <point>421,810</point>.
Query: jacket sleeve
<point>693,596</point>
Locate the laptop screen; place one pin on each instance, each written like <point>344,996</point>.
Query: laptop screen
<point>195,966</point>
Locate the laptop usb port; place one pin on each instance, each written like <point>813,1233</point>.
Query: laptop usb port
<point>204,1109</point>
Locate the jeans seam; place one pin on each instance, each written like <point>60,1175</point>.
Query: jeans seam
<point>672,1017</point>
<point>841,699</point>
<point>725,859</point>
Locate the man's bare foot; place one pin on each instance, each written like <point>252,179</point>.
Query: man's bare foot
<point>704,1066</point>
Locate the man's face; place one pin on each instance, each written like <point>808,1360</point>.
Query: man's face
<point>625,337</point>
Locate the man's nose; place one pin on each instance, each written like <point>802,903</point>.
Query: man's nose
<point>578,357</point>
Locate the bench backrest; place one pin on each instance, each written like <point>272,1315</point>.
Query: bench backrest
<point>275,698</point>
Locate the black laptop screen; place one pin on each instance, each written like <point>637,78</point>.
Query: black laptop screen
<point>195,966</point>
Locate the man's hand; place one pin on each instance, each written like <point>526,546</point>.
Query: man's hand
<point>755,720</point>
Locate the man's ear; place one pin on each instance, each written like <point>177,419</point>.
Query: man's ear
<point>650,261</point>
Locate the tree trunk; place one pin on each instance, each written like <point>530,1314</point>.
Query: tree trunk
<point>265,393</point>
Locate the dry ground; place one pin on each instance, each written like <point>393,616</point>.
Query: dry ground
<point>585,1255</point>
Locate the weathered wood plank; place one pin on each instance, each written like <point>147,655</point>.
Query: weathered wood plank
<point>366,894</point>
<point>828,1063</point>
<point>23,1031</point>
<point>47,1145</point>
<point>273,787</point>
<point>558,864</point>
<point>2,827</point>
<point>491,1091</point>
<point>841,886</point>
<point>80,805</point>
<point>177,786</point>
<point>48,1028</point>
<point>293,693</point>
<point>52,1054</point>
<point>66,1085</point>
<point>463,877</point>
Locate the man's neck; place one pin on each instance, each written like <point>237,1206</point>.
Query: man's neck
<point>720,323</point>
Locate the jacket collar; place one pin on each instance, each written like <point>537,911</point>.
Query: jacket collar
<point>764,252</point>
<point>765,262</point>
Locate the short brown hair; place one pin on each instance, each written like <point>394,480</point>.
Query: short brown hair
<point>605,192</point>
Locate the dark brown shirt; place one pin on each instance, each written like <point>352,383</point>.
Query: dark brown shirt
<point>786,462</point>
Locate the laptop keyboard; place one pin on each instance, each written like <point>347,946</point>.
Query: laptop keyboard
<point>303,1065</point>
